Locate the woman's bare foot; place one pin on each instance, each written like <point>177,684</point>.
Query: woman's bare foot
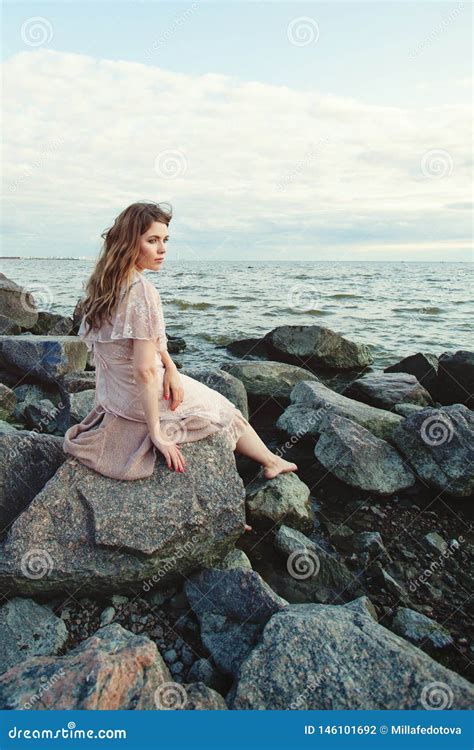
<point>247,527</point>
<point>277,465</point>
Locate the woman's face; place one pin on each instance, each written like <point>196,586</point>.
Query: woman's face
<point>152,247</point>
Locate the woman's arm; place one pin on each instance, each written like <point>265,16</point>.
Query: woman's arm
<point>146,376</point>
<point>166,359</point>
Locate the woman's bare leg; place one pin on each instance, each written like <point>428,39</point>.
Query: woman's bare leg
<point>251,445</point>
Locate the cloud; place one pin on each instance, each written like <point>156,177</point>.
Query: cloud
<point>245,164</point>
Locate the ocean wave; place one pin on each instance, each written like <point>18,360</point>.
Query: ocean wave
<point>186,305</point>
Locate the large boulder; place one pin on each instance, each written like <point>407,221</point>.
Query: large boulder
<point>358,458</point>
<point>456,378</point>
<point>329,657</point>
<point>314,574</point>
<point>385,390</point>
<point>317,347</point>
<point>28,629</point>
<point>310,402</point>
<point>439,445</point>
<point>28,460</point>
<point>16,303</point>
<point>423,365</point>
<point>52,324</point>
<point>268,383</point>
<point>43,357</point>
<point>232,606</point>
<point>102,535</point>
<point>113,670</point>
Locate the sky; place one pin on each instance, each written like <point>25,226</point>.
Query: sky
<point>277,130</point>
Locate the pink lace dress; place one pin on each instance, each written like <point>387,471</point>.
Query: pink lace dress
<point>113,439</point>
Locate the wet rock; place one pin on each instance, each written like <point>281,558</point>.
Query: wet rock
<point>27,461</point>
<point>268,383</point>
<point>236,558</point>
<point>317,346</point>
<point>107,616</point>
<point>52,324</point>
<point>436,542</point>
<point>248,348</point>
<point>310,402</point>
<point>423,365</point>
<point>27,629</point>
<point>325,577</point>
<point>439,446</point>
<point>385,390</point>
<point>420,630</point>
<point>327,657</point>
<point>456,378</point>
<point>16,303</point>
<point>360,459</point>
<point>283,498</point>
<point>232,606</point>
<point>370,542</point>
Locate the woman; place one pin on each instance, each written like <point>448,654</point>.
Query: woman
<point>123,325</point>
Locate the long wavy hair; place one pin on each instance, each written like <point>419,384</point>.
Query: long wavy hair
<point>117,259</point>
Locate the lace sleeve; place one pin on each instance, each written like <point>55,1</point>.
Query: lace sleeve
<point>139,315</point>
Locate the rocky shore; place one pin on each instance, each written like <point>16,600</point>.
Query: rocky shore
<point>352,591</point>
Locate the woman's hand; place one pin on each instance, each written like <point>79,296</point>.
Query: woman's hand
<point>172,382</point>
<point>171,451</point>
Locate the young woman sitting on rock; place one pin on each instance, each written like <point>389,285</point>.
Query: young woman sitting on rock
<point>143,401</point>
